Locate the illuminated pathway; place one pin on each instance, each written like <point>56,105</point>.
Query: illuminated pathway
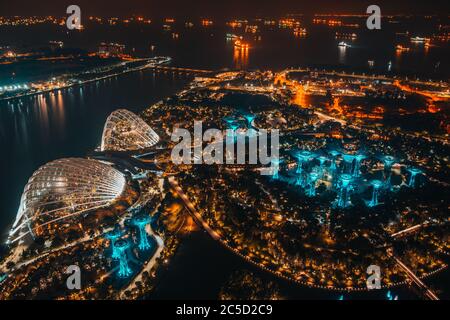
<point>408,231</point>
<point>176,187</point>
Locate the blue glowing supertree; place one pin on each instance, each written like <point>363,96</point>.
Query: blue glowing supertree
<point>232,134</point>
<point>112,236</point>
<point>344,187</point>
<point>275,166</point>
<point>322,160</point>
<point>141,221</point>
<point>122,247</point>
<point>389,296</point>
<point>412,180</point>
<point>249,118</point>
<point>348,162</point>
<point>312,179</point>
<point>356,169</point>
<point>333,154</point>
<point>302,157</point>
<point>333,166</point>
<point>376,184</point>
<point>233,127</point>
<point>229,120</point>
<point>388,162</point>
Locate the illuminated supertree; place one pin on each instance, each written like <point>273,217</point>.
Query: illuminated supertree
<point>333,167</point>
<point>312,179</point>
<point>141,221</point>
<point>229,120</point>
<point>249,118</point>
<point>376,184</point>
<point>112,236</point>
<point>389,296</point>
<point>233,128</point>
<point>333,154</point>
<point>302,157</point>
<point>322,160</point>
<point>356,169</point>
<point>122,246</point>
<point>412,180</point>
<point>342,200</point>
<point>275,165</point>
<point>388,162</point>
<point>348,163</point>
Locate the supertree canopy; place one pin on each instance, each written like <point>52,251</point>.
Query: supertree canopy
<point>357,167</point>
<point>141,221</point>
<point>412,180</point>
<point>333,166</point>
<point>388,162</point>
<point>348,162</point>
<point>249,118</point>
<point>122,247</point>
<point>302,156</point>
<point>312,179</point>
<point>113,236</point>
<point>376,184</point>
<point>342,200</point>
<point>275,165</point>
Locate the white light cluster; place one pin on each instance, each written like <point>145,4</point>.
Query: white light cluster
<point>125,131</point>
<point>65,188</point>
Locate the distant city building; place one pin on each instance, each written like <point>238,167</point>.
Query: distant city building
<point>111,49</point>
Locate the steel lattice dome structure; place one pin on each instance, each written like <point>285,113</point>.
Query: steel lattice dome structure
<point>65,188</point>
<point>125,131</point>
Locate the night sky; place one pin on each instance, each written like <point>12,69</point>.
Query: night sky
<point>217,8</point>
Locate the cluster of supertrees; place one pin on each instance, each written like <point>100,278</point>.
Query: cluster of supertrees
<point>120,245</point>
<point>341,171</point>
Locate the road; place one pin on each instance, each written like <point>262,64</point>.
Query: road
<point>413,229</point>
<point>430,295</point>
<point>197,216</point>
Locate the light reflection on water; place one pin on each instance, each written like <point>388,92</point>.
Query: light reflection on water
<point>240,58</point>
<point>342,55</point>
